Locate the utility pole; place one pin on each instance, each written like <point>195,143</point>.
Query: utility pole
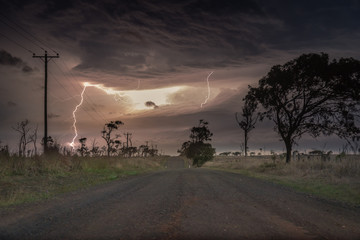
<point>45,58</point>
<point>128,139</point>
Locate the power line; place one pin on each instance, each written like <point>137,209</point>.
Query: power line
<point>92,103</point>
<point>61,85</point>
<point>22,34</point>
<point>29,33</point>
<point>66,75</point>
<point>46,58</point>
<point>74,77</point>
<point>85,110</point>
<point>17,43</point>
<point>81,87</point>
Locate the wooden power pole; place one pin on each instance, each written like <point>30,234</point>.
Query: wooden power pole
<point>45,58</point>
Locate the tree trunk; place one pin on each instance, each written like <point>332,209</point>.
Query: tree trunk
<point>108,151</point>
<point>21,146</point>
<point>246,142</point>
<point>288,150</point>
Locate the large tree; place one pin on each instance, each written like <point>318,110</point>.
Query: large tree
<point>247,119</point>
<point>197,149</point>
<point>106,135</point>
<point>310,94</point>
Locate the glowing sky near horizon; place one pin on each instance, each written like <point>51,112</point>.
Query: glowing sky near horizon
<point>138,98</point>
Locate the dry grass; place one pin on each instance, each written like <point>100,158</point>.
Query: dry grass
<point>337,178</point>
<point>347,167</point>
<point>32,179</point>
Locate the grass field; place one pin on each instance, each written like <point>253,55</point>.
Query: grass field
<point>33,179</point>
<point>336,179</point>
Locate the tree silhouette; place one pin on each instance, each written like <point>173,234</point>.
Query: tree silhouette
<point>196,149</point>
<point>23,129</point>
<point>106,135</point>
<point>310,95</point>
<point>4,151</point>
<point>95,150</point>
<point>129,151</point>
<point>201,133</point>
<point>33,138</point>
<point>144,150</point>
<point>52,146</point>
<point>83,150</point>
<point>248,120</point>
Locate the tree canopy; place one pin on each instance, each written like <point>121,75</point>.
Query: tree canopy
<point>310,94</point>
<point>196,149</point>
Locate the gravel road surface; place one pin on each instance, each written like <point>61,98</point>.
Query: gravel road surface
<point>182,203</point>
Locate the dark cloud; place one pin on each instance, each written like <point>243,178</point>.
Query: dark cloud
<point>53,115</point>
<point>309,24</point>
<point>221,8</point>
<point>54,7</point>
<point>151,39</point>
<point>151,104</point>
<point>11,104</point>
<point>27,69</point>
<point>138,44</point>
<point>7,59</point>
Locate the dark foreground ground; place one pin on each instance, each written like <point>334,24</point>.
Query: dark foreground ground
<point>182,203</point>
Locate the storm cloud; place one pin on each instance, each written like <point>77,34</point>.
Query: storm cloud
<point>134,45</point>
<point>9,60</point>
<point>151,104</point>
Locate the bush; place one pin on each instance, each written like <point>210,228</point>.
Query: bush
<point>204,152</point>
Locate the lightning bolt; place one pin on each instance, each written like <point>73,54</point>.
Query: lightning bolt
<point>208,86</point>
<point>118,96</point>
<point>72,144</point>
<point>124,96</point>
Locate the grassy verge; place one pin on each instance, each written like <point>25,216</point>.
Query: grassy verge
<point>29,180</point>
<point>339,181</point>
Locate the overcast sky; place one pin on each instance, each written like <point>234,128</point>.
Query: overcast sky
<point>147,63</point>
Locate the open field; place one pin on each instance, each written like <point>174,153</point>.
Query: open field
<point>337,179</point>
<point>32,179</point>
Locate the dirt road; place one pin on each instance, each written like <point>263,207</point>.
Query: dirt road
<point>182,203</point>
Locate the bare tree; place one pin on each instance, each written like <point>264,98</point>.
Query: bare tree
<point>95,150</point>
<point>23,128</point>
<point>33,138</point>
<point>248,120</point>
